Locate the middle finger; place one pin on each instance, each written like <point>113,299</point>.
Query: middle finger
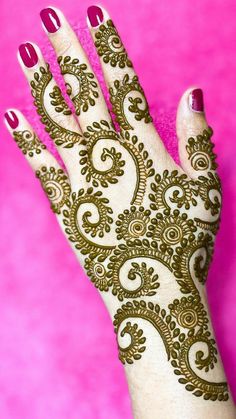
<point>82,84</point>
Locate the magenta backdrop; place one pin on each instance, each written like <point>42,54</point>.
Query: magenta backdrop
<point>58,356</point>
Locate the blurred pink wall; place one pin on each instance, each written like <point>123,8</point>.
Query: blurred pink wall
<point>58,356</point>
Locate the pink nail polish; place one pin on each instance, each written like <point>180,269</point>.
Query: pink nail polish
<point>95,16</point>
<point>50,20</point>
<point>28,54</point>
<point>196,100</point>
<point>11,119</point>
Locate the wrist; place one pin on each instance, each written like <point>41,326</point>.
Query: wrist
<point>162,360</point>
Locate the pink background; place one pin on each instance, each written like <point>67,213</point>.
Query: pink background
<point>58,356</point>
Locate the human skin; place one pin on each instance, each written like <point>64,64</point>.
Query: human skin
<point>138,152</point>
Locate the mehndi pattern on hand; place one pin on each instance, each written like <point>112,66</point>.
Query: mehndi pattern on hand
<point>130,212</point>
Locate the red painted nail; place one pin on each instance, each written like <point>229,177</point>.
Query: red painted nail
<point>28,54</point>
<point>11,119</point>
<point>196,100</point>
<point>95,16</point>
<point>50,20</point>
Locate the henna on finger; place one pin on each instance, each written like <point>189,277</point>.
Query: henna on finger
<point>61,135</point>
<point>88,87</point>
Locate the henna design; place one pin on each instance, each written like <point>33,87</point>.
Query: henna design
<point>130,252</point>
<point>173,229</point>
<point>146,235</point>
<point>56,186</point>
<point>110,47</point>
<point>28,142</point>
<point>185,247</point>
<point>88,87</point>
<point>207,186</point>
<point>79,234</point>
<point>119,93</point>
<point>202,248</point>
<point>59,102</point>
<point>61,136</point>
<point>132,223</point>
<point>182,191</point>
<point>150,313</point>
<point>143,165</point>
<point>97,274</point>
<point>189,312</point>
<point>177,343</point>
<point>212,226</point>
<point>95,133</point>
<point>146,282</point>
<point>135,349</point>
<point>200,151</point>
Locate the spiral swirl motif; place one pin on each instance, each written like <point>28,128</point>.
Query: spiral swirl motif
<point>56,186</point>
<point>137,228</point>
<point>188,318</point>
<point>97,274</point>
<point>88,88</point>
<point>172,235</point>
<point>171,230</point>
<point>54,191</point>
<point>189,312</point>
<point>84,206</point>
<point>132,224</point>
<point>28,142</point>
<point>99,270</point>
<point>200,151</point>
<point>132,352</point>
<point>129,88</point>
<point>115,44</point>
<point>110,47</point>
<point>114,169</point>
<point>172,188</point>
<point>209,189</point>
<point>200,161</point>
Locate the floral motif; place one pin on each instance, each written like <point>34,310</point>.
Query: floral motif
<point>132,223</point>
<point>189,312</point>
<point>97,274</point>
<point>200,151</point>
<point>172,229</point>
<point>56,186</point>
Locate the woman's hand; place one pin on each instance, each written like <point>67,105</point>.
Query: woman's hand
<point>142,227</point>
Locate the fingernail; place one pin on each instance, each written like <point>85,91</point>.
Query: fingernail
<point>11,119</point>
<point>50,20</point>
<point>28,54</point>
<point>95,16</point>
<point>196,100</point>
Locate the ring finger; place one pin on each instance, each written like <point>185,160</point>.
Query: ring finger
<point>51,106</point>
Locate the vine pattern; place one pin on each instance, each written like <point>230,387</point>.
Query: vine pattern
<point>138,105</point>
<point>143,164</point>
<point>110,47</point>
<point>88,87</point>
<point>61,136</point>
